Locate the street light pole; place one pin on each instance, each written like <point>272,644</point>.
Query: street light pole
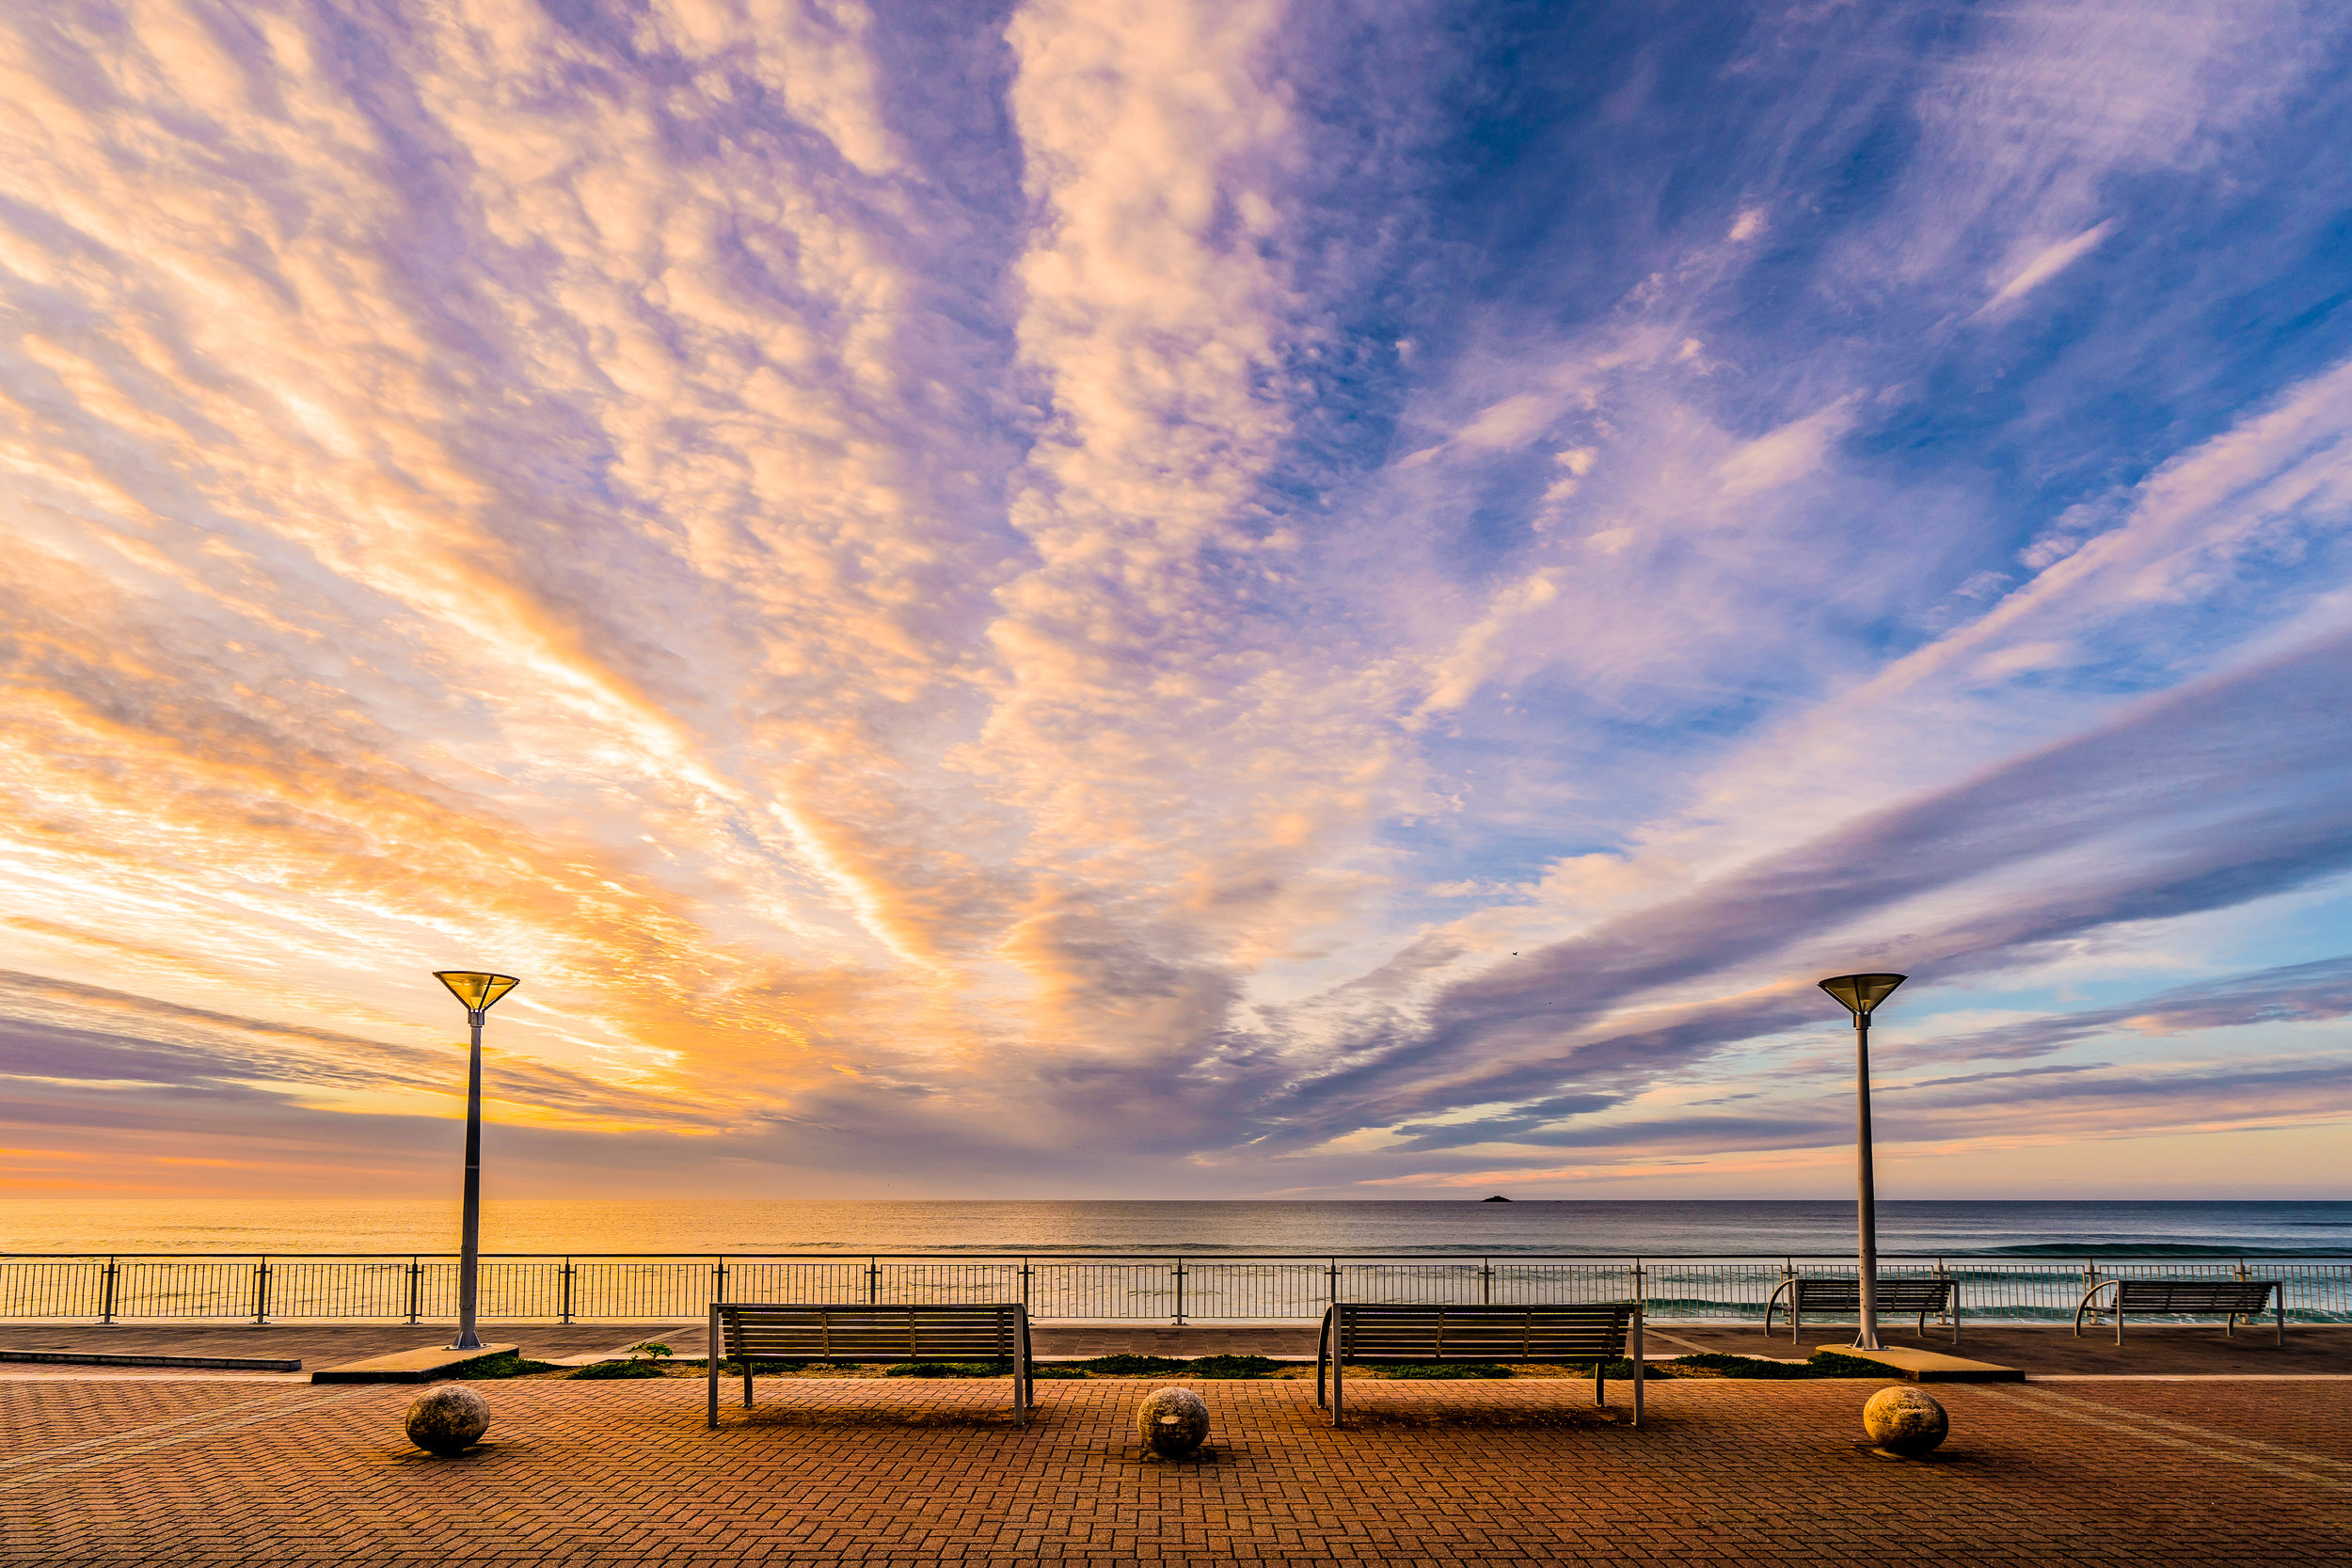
<point>1861,994</point>
<point>479,992</point>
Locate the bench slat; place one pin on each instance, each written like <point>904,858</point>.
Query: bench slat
<point>2231,1298</point>
<point>1905,1296</point>
<point>2193,1295</point>
<point>1356,1332</point>
<point>749,1332</point>
<point>1894,1295</point>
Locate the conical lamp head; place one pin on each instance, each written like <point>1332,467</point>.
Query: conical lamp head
<point>1862,992</point>
<point>478,991</point>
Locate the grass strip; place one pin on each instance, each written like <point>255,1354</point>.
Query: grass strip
<point>1125,1365</point>
<point>1826,1363</point>
<point>1441,1371</point>
<point>506,1363</point>
<point>608,1371</point>
<point>1230,1366</point>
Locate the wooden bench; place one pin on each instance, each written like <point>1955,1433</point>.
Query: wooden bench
<point>823,1331</point>
<point>2237,1298</point>
<point>1939,1295</point>
<point>1356,1332</point>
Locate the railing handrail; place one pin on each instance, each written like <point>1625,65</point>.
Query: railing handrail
<point>1077,1285</point>
<point>1465,1259</point>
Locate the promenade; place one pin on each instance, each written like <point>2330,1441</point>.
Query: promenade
<point>2149,1350</point>
<point>189,1470</point>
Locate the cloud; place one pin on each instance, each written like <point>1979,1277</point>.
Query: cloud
<point>1591,1014</point>
<point>2047,263</point>
<point>940,582</point>
<point>1791,452</point>
<point>2302,992</point>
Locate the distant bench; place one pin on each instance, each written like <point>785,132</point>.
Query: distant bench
<point>2236,1298</point>
<point>1357,1332</point>
<point>764,1331</point>
<point>1840,1294</point>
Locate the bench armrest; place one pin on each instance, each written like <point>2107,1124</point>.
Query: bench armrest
<point>2084,1304</point>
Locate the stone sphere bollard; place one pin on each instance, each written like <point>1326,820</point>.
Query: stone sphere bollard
<point>449,1420</point>
<point>1904,1420</point>
<point>1172,1422</point>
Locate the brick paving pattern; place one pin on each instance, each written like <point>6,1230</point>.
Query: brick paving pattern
<point>2200,1351</point>
<point>186,1472</point>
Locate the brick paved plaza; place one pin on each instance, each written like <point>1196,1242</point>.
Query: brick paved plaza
<point>181,1471</point>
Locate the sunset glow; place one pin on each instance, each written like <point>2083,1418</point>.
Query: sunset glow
<point>1175,600</point>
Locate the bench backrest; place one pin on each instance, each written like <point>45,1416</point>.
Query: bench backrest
<point>1835,1294</point>
<point>764,1331</point>
<point>1384,1331</point>
<point>2194,1295</point>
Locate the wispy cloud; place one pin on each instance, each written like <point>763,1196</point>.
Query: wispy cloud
<point>2047,263</point>
<point>1157,597</point>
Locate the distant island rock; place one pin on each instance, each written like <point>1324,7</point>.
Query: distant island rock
<point>1497,1198</point>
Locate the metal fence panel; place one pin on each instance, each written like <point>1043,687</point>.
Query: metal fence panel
<point>905,1282</point>
<point>799,1281</point>
<point>1222,1289</point>
<point>1141,1287</point>
<point>175,1289</point>
<point>310,1288</point>
<point>60,1288</point>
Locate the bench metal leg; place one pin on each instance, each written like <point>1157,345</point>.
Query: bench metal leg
<point>1323,1347</point>
<point>710,1367</point>
<point>2091,1304</point>
<point>1640,1366</point>
<point>1771,1305</point>
<point>1021,1376</point>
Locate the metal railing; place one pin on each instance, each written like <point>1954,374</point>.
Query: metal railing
<point>1203,1287</point>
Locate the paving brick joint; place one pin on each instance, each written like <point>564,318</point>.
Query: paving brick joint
<point>182,1471</point>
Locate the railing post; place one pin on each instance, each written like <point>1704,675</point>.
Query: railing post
<point>1025,1286</point>
<point>416,1286</point>
<point>1180,1292</point>
<point>718,1279</point>
<point>106,1296</point>
<point>1486,1281</point>
<point>567,1290</point>
<point>1331,1288</point>
<point>873,1281</point>
<point>1641,1287</point>
<point>261,1290</point>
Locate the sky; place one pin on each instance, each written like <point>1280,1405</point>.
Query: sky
<point>1158,599</point>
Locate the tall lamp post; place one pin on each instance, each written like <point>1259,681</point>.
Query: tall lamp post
<point>479,993</point>
<point>1861,994</point>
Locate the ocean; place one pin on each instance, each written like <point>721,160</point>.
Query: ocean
<point>1389,1229</point>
